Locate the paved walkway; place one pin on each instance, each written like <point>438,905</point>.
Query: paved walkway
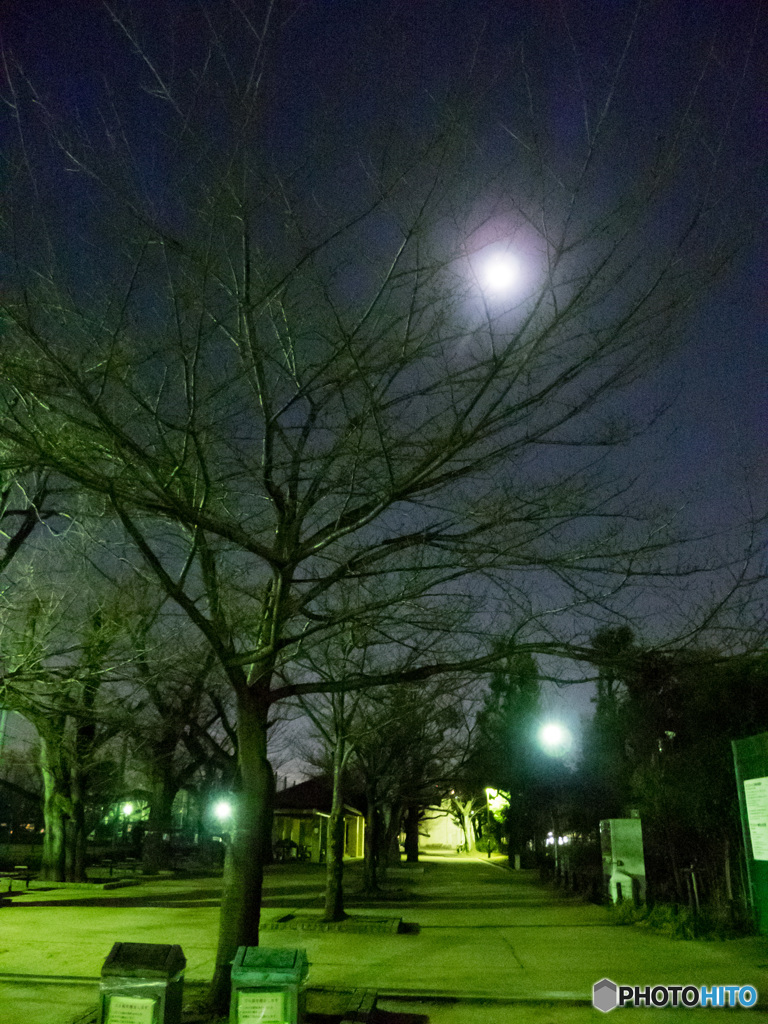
<point>476,931</point>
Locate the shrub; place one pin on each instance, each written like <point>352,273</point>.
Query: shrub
<point>680,922</point>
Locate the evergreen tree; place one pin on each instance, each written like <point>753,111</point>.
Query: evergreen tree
<point>506,756</point>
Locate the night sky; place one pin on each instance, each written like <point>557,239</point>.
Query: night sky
<point>342,76</point>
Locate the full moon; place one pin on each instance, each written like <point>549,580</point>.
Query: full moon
<point>500,273</point>
<point>554,738</point>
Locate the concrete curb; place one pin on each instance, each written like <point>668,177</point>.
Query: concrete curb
<point>310,923</point>
<point>48,979</point>
<point>44,887</point>
<point>402,994</point>
<point>435,996</point>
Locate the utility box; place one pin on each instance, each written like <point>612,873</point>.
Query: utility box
<point>621,842</point>
<point>142,983</point>
<point>268,986</point>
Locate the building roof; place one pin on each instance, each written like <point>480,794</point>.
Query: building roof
<point>312,795</point>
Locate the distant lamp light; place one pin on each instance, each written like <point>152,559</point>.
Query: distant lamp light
<point>127,809</point>
<point>223,810</point>
<point>555,739</point>
<point>498,800</point>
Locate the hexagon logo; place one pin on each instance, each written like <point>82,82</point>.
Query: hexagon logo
<point>604,995</point>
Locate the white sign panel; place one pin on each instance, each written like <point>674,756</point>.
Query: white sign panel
<point>130,1010</point>
<point>756,797</point>
<point>260,1007</point>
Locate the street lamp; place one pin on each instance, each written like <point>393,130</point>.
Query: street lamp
<point>223,810</point>
<point>555,740</point>
<point>121,821</point>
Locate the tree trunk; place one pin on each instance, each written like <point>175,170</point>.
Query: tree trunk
<point>76,833</point>
<point>411,825</point>
<point>53,867</point>
<point>155,853</point>
<point>390,845</point>
<point>247,844</point>
<point>334,871</point>
<point>371,858</point>
<point>464,813</point>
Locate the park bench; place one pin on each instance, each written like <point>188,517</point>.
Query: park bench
<point>123,865</point>
<point>20,871</point>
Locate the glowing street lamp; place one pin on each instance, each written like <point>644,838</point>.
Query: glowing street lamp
<point>222,810</point>
<point>127,809</point>
<point>555,740</point>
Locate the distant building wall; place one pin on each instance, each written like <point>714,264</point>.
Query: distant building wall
<point>354,838</point>
<point>439,831</point>
<point>309,830</point>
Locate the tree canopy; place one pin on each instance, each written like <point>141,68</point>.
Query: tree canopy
<point>308,407</point>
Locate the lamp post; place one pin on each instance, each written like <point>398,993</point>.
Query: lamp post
<point>126,810</point>
<point>224,812</point>
<point>488,819</point>
<point>556,741</point>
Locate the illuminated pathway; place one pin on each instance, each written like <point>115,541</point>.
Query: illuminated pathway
<point>474,929</point>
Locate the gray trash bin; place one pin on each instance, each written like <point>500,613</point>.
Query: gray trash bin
<point>142,983</point>
<point>268,985</point>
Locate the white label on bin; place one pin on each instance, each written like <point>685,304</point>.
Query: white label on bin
<point>130,1010</point>
<point>260,1007</point>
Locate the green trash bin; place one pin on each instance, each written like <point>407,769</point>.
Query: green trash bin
<point>142,983</point>
<point>268,985</point>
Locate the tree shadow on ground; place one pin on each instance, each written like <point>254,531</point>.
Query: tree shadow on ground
<point>180,899</point>
<point>374,1017</point>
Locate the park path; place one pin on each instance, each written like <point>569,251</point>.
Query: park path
<point>474,930</point>
<point>487,930</point>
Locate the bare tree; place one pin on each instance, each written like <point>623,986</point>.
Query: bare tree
<point>395,744</point>
<point>56,672</point>
<point>309,411</point>
<point>409,745</point>
<point>178,731</point>
<point>332,716</point>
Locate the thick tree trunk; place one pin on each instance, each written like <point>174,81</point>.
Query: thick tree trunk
<point>155,853</point>
<point>411,825</point>
<point>389,846</point>
<point>464,814</point>
<point>334,871</point>
<point>76,832</point>
<point>247,845</point>
<point>53,867</point>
